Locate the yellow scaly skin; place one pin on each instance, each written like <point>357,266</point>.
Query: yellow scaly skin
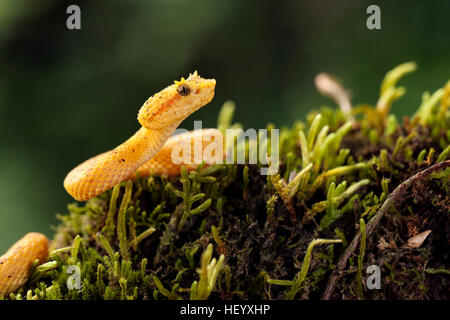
<point>212,151</point>
<point>160,115</point>
<point>16,262</point>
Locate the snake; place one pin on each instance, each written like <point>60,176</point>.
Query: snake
<point>149,151</point>
<point>16,262</point>
<point>160,115</point>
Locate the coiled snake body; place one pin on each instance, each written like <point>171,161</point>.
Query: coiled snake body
<point>147,151</point>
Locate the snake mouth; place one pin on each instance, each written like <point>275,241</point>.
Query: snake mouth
<point>209,82</point>
<point>204,84</point>
<point>199,82</point>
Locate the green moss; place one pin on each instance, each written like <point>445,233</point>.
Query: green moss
<point>152,238</point>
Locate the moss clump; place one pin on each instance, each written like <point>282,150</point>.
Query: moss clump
<point>226,232</point>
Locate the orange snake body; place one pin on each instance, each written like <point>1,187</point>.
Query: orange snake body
<point>15,264</point>
<point>148,151</point>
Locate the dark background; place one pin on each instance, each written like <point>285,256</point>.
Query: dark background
<point>68,95</point>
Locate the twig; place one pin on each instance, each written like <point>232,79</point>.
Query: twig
<point>332,89</point>
<point>395,196</point>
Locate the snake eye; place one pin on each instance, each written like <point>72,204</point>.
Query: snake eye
<point>183,90</point>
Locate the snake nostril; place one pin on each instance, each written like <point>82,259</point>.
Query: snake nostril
<point>183,90</point>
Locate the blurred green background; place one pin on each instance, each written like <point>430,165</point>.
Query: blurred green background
<point>68,95</point>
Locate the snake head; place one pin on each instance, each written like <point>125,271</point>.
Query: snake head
<point>176,102</point>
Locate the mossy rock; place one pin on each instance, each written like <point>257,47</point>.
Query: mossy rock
<point>155,238</point>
